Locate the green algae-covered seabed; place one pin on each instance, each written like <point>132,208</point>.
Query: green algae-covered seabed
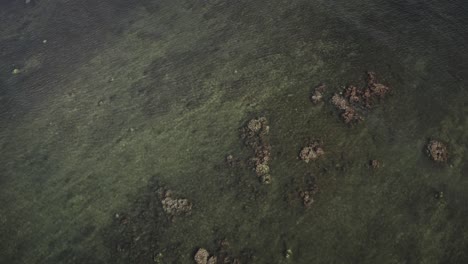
<point>103,103</point>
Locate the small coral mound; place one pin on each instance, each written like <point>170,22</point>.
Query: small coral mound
<point>348,113</point>
<point>231,161</point>
<point>213,260</point>
<point>377,90</point>
<point>174,206</point>
<point>201,257</point>
<point>255,130</point>
<point>374,164</point>
<point>307,195</point>
<point>221,256</point>
<point>255,135</point>
<point>305,190</point>
<point>311,152</point>
<point>317,96</point>
<point>437,151</point>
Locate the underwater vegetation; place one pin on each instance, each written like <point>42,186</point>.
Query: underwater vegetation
<point>233,131</point>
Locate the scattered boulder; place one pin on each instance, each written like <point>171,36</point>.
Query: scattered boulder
<point>437,151</point>
<point>311,152</point>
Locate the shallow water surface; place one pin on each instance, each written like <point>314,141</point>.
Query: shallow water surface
<point>105,105</point>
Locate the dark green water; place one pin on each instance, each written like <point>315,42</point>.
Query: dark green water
<point>113,100</point>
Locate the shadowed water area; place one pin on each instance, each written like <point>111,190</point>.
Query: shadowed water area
<point>106,105</point>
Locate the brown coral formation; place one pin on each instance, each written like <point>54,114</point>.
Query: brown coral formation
<point>317,96</point>
<point>231,161</point>
<point>308,193</point>
<point>212,260</point>
<point>311,152</point>
<point>347,112</point>
<point>353,94</point>
<point>175,206</point>
<point>202,256</point>
<point>437,151</point>
<point>376,89</point>
<point>374,164</point>
<point>255,130</point>
<point>255,135</point>
<point>354,98</point>
<point>368,95</point>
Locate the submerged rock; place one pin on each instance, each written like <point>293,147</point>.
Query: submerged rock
<point>437,151</point>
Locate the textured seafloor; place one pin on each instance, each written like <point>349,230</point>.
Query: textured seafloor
<point>106,103</point>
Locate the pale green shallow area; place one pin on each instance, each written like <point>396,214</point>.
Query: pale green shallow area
<point>159,90</point>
